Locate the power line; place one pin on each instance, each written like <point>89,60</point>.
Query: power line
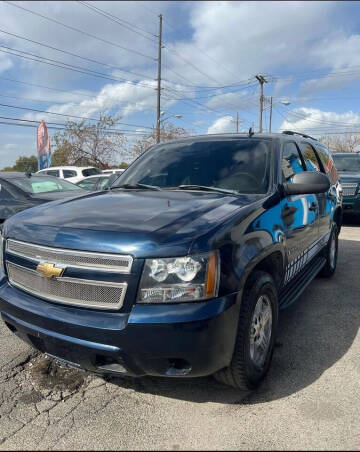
<point>122,22</point>
<point>91,60</point>
<point>63,65</point>
<point>140,4</point>
<point>46,87</point>
<point>191,64</point>
<point>80,31</point>
<point>33,100</point>
<point>70,116</point>
<point>321,121</point>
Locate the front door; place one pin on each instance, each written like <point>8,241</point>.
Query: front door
<point>299,216</point>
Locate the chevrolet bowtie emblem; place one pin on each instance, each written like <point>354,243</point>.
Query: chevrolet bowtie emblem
<point>49,270</point>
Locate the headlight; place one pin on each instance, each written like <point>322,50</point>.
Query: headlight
<point>2,270</point>
<point>178,279</point>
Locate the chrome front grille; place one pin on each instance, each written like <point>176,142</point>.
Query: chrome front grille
<point>72,258</point>
<point>73,291</point>
<point>349,189</point>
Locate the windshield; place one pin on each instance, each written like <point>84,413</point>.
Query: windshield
<point>349,162</point>
<point>43,184</point>
<point>241,165</point>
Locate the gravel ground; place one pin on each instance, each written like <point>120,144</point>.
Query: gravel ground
<point>310,399</point>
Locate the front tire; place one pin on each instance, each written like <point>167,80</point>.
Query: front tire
<point>331,254</point>
<point>256,334</point>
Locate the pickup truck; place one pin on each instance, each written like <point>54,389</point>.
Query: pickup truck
<point>181,267</point>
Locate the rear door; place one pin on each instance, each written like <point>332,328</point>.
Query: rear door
<point>299,215</point>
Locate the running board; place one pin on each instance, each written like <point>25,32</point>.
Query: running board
<point>292,291</point>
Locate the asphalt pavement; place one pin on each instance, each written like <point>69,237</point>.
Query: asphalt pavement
<point>309,400</point>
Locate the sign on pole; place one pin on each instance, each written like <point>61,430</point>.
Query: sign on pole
<point>43,146</point>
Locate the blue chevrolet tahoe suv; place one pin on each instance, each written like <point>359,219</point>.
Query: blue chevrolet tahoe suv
<point>181,267</point>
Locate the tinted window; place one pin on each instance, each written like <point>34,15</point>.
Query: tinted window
<point>69,173</point>
<point>104,183</point>
<point>291,161</point>
<point>327,163</point>
<point>241,165</point>
<point>42,184</point>
<point>55,173</point>
<point>89,184</point>
<point>4,194</point>
<point>350,162</point>
<point>311,161</point>
<point>90,172</point>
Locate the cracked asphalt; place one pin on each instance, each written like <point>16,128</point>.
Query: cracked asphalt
<point>310,399</point>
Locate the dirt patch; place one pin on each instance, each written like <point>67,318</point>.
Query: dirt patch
<point>48,375</point>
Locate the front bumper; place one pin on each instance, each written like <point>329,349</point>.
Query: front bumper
<point>187,339</point>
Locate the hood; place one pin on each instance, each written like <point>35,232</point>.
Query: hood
<point>349,176</point>
<point>33,200</point>
<point>142,223</point>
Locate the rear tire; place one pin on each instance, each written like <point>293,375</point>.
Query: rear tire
<point>331,254</point>
<point>255,336</point>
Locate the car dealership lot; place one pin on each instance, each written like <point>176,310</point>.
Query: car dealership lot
<point>310,399</point>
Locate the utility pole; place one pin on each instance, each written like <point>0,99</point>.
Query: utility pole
<point>261,79</point>
<point>270,114</point>
<point>237,122</point>
<point>159,82</point>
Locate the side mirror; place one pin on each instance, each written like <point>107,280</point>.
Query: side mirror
<point>306,183</point>
<point>112,179</point>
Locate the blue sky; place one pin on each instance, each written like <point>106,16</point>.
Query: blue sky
<point>309,52</point>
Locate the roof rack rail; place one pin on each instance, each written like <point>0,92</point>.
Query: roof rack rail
<point>290,132</point>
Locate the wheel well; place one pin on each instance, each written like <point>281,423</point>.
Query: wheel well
<point>272,264</point>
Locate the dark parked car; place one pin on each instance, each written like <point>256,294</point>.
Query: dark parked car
<point>348,165</point>
<point>181,267</point>
<point>19,191</point>
<point>93,183</point>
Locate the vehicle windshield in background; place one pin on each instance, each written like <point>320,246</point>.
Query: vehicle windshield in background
<point>90,172</point>
<point>43,184</point>
<point>349,162</point>
<point>241,166</point>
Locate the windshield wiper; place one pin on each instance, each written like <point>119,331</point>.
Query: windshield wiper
<point>136,187</point>
<point>205,188</point>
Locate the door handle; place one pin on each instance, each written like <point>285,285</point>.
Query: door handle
<point>313,207</point>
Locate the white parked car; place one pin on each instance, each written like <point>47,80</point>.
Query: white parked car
<point>71,173</point>
<point>113,171</point>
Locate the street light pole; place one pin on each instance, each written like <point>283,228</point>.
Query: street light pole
<point>237,122</point>
<point>270,114</point>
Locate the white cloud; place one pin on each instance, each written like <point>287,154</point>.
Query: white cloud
<point>245,38</point>
<point>233,101</point>
<point>312,119</point>
<point>126,98</point>
<point>223,125</point>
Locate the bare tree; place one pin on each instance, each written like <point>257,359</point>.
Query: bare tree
<point>90,144</point>
<point>347,142</point>
<point>167,133</point>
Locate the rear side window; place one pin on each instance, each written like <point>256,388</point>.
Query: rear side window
<point>311,161</point>
<point>55,173</point>
<point>291,161</point>
<point>328,163</point>
<point>69,173</point>
<point>91,172</point>
<point>89,184</point>
<point>4,194</point>
<point>104,183</point>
